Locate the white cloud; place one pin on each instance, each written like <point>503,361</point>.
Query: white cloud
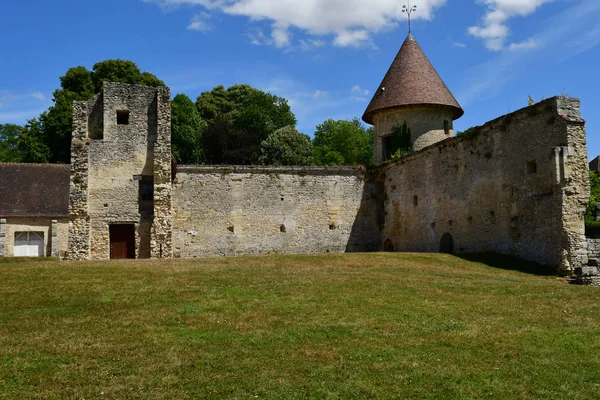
<point>459,45</point>
<point>357,90</point>
<point>357,38</point>
<point>309,44</point>
<point>319,94</point>
<point>258,38</point>
<point>494,26</point>
<point>351,22</point>
<point>200,23</point>
<point>553,44</point>
<point>526,45</point>
<point>359,94</point>
<point>280,35</point>
<point>38,96</point>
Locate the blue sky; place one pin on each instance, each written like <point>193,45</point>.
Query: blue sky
<point>325,56</point>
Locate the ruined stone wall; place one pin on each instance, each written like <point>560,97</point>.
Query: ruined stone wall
<point>55,233</point>
<point>109,159</point>
<point>162,230</point>
<point>250,210</point>
<point>426,126</point>
<point>79,247</point>
<point>518,187</point>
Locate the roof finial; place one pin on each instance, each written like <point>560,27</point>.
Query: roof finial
<point>409,10</point>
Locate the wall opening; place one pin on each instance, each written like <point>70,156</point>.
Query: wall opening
<point>146,194</point>
<point>416,200</point>
<point>122,117</point>
<point>95,121</point>
<point>447,244</point>
<point>388,246</point>
<point>532,167</point>
<point>282,229</point>
<point>386,147</point>
<point>447,127</point>
<point>122,241</point>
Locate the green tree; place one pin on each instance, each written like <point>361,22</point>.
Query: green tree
<point>31,143</point>
<point>9,136</point>
<point>343,142</point>
<point>469,133</point>
<point>186,131</point>
<point>594,196</point>
<point>401,141</point>
<point>239,119</point>
<point>592,227</point>
<point>286,146</point>
<point>53,128</point>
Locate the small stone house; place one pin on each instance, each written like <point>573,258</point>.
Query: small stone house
<point>34,209</point>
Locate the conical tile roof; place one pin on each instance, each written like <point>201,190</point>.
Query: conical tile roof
<point>411,80</point>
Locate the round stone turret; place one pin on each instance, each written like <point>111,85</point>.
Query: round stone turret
<point>412,92</point>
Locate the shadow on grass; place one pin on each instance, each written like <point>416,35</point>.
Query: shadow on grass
<point>509,263</point>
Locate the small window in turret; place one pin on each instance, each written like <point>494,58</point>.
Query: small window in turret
<point>447,127</point>
<point>122,117</point>
<point>386,147</point>
<point>532,167</point>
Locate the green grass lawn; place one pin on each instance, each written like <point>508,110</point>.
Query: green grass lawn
<point>352,326</point>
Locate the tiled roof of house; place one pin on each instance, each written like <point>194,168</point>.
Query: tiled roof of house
<point>411,80</point>
<point>34,190</point>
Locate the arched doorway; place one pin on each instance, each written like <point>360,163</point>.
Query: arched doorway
<point>447,244</point>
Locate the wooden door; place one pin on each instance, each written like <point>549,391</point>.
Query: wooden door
<point>122,242</point>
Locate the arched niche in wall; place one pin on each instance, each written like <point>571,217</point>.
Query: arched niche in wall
<point>447,244</point>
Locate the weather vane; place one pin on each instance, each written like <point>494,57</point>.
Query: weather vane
<point>409,10</point>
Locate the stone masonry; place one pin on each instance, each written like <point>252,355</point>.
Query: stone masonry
<point>259,210</point>
<point>518,187</point>
<point>121,138</point>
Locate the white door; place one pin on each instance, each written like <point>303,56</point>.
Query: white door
<point>29,244</point>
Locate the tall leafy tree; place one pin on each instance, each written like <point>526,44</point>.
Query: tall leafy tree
<point>239,119</point>
<point>286,146</point>
<point>31,143</point>
<point>343,142</point>
<point>9,136</point>
<point>53,128</point>
<point>186,131</point>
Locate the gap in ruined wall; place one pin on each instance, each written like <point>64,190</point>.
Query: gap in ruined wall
<point>122,117</point>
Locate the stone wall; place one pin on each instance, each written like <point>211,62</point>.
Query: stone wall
<point>79,247</point>
<point>426,127</point>
<point>109,159</point>
<point>55,233</point>
<point>518,187</point>
<point>252,210</point>
<point>2,237</point>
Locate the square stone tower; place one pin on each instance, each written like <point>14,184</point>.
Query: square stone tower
<point>120,202</point>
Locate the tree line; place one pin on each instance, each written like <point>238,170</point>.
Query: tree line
<point>238,125</point>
